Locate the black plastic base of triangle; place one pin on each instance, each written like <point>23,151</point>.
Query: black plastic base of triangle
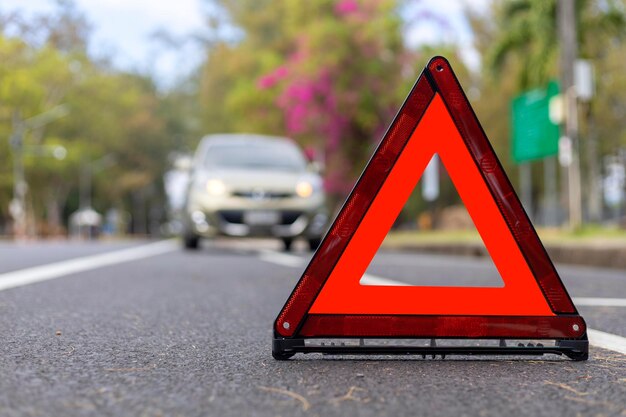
<point>577,350</point>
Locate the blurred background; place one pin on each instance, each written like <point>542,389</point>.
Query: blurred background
<point>125,122</point>
<point>100,99</point>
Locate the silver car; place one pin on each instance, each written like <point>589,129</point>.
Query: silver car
<point>251,185</point>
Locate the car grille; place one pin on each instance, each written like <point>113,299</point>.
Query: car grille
<point>287,217</point>
<point>263,195</point>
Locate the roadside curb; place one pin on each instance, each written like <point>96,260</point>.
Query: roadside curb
<point>595,255</point>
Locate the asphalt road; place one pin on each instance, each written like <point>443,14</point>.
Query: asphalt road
<point>174,333</point>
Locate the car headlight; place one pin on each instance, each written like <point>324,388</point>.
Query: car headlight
<point>216,187</point>
<point>304,189</point>
<point>198,217</point>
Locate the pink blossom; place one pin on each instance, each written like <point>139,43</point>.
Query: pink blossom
<point>281,72</point>
<point>265,82</point>
<point>345,7</point>
<point>269,80</point>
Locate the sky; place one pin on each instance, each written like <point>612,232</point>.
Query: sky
<point>123,29</point>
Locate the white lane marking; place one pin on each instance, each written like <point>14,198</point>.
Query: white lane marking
<point>368,279</point>
<point>295,261</point>
<point>599,302</point>
<point>607,341</point>
<point>596,338</point>
<point>283,259</point>
<point>85,263</point>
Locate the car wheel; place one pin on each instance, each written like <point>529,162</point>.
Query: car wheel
<point>314,243</point>
<point>287,243</point>
<point>191,241</point>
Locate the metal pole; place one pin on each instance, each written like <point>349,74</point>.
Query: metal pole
<point>83,187</point>
<point>85,192</point>
<point>566,19</point>
<point>594,196</point>
<point>551,217</point>
<point>526,186</point>
<point>20,187</point>
<point>16,140</point>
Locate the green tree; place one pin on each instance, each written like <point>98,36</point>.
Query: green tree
<point>112,114</point>
<point>327,73</point>
<point>526,31</point>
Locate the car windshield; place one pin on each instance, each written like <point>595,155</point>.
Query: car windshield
<point>250,155</point>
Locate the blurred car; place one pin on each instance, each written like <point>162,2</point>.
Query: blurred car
<point>252,185</point>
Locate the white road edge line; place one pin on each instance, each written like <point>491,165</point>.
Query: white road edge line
<point>368,279</point>
<point>58,269</point>
<point>607,341</point>
<point>596,337</point>
<point>599,302</point>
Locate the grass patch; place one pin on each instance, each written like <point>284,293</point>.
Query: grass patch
<point>590,234</point>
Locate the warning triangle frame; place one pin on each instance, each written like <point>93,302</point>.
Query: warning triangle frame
<point>296,328</point>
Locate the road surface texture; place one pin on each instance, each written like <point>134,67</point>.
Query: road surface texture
<point>147,329</point>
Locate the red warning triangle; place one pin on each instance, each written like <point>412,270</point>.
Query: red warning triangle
<point>329,301</point>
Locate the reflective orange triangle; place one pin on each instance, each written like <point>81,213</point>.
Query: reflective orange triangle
<point>329,300</point>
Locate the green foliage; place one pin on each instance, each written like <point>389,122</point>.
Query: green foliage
<point>525,36</point>
<point>110,113</point>
<point>519,41</point>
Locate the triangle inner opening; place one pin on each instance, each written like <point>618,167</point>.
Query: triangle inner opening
<point>433,233</point>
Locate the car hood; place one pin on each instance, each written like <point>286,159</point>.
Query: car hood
<point>266,180</point>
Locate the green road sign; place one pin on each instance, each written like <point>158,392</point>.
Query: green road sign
<point>534,135</point>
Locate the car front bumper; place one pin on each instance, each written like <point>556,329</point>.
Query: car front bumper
<point>289,219</point>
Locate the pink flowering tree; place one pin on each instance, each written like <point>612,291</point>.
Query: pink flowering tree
<point>328,73</point>
<point>337,86</point>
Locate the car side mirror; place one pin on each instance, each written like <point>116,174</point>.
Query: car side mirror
<point>183,163</point>
<point>315,167</point>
